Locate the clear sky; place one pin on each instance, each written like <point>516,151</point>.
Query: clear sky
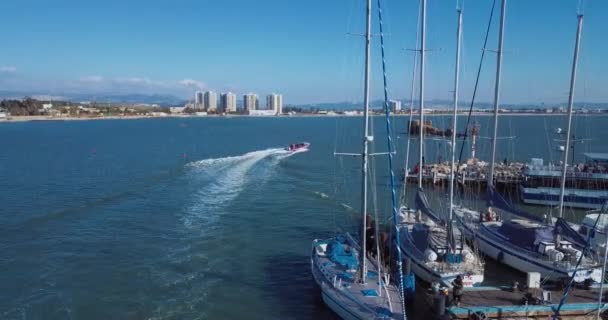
<point>299,48</point>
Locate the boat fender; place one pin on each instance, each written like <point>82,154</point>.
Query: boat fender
<point>467,256</point>
<point>554,255</point>
<point>430,255</point>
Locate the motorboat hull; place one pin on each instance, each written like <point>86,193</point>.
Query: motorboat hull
<point>298,147</point>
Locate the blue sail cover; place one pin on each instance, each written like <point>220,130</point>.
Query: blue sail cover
<point>339,255</point>
<point>422,204</point>
<point>496,200</point>
<point>563,228</point>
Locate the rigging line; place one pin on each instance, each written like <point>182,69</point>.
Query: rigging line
<point>335,179</point>
<point>409,126</point>
<point>483,53</point>
<point>390,163</point>
<point>548,140</point>
<point>374,194</point>
<point>585,251</point>
<point>339,176</point>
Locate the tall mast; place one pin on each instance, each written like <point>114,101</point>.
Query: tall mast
<point>366,139</point>
<point>497,90</point>
<point>453,164</point>
<point>570,103</point>
<point>422,50</point>
<point>601,295</point>
<point>412,96</point>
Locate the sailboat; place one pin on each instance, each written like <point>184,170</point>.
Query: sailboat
<point>526,242</point>
<point>437,251</point>
<point>352,284</point>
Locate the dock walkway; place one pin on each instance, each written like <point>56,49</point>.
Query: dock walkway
<point>504,303</point>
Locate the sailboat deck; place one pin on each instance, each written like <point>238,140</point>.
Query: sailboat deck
<point>493,229</point>
<point>357,300</point>
<point>504,303</point>
<point>439,233</point>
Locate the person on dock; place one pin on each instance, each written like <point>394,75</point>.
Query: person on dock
<point>457,291</point>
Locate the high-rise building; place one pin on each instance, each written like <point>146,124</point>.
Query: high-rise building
<point>227,102</point>
<point>394,105</point>
<point>250,102</point>
<point>210,101</point>
<point>198,100</point>
<point>275,102</point>
<point>279,104</point>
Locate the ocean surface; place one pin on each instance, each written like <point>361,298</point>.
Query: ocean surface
<point>202,218</point>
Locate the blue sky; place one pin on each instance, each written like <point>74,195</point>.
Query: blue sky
<point>299,48</point>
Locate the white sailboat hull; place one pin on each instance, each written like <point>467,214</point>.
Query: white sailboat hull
<point>346,297</point>
<point>330,300</point>
<point>436,272</point>
<point>444,280</point>
<point>524,263</point>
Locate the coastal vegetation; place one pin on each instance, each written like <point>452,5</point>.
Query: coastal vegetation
<point>33,107</point>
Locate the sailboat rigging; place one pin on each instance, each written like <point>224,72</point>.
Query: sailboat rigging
<point>352,284</point>
<point>525,242</point>
<point>430,241</point>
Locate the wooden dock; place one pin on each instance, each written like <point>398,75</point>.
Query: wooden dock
<point>505,303</point>
<point>470,174</point>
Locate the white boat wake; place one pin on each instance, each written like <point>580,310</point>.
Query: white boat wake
<point>223,179</point>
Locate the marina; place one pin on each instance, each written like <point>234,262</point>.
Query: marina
<point>472,193</point>
<point>541,247</point>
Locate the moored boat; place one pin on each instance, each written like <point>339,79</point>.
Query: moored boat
<point>435,247</point>
<point>354,283</point>
<point>520,239</point>
<point>586,183</point>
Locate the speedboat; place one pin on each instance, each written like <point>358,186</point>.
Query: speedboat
<point>298,147</point>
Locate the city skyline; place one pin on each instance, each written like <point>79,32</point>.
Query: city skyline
<point>66,49</point>
<point>208,101</point>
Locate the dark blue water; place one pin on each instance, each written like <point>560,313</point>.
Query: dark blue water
<point>198,218</point>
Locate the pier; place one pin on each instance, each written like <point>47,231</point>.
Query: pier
<point>471,173</point>
<point>508,303</point>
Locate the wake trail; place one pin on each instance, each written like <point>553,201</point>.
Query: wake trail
<point>223,179</point>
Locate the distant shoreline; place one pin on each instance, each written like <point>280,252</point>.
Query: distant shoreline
<point>300,115</point>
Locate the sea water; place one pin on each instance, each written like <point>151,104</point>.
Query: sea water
<point>204,218</point>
